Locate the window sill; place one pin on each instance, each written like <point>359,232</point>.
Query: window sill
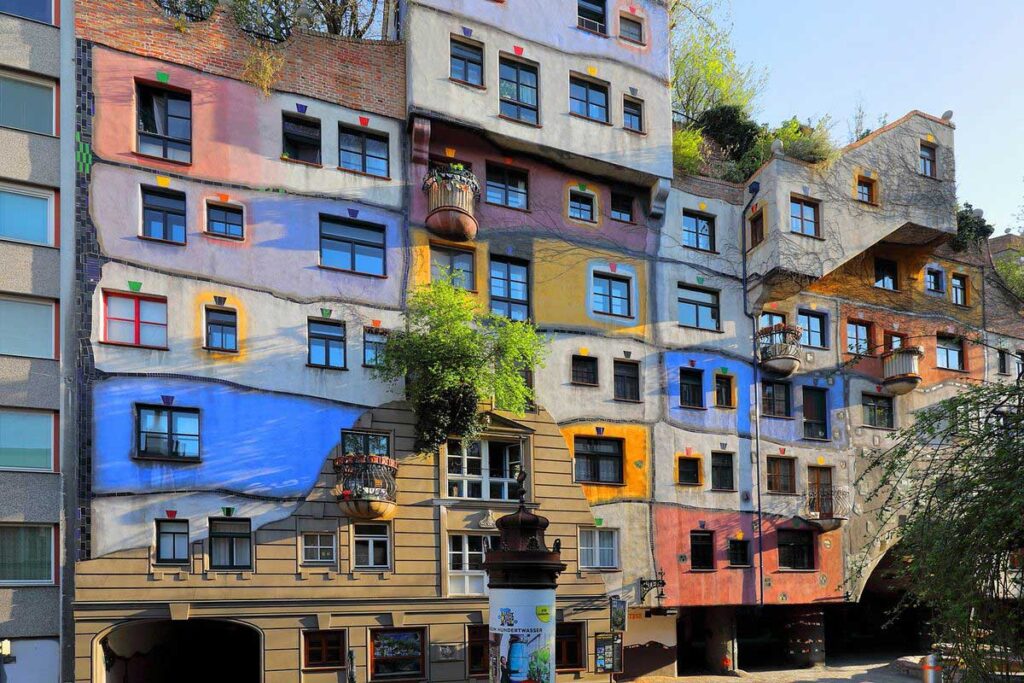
<point>703,571</point>
<point>126,345</point>
<point>168,564</point>
<point>506,206</point>
<point>9,240</point>
<point>153,157</point>
<point>218,236</point>
<point>325,367</point>
<point>816,348</point>
<point>231,352</point>
<point>718,407</point>
<point>583,384</point>
<point>638,43</point>
<point>467,84</point>
<point>325,564</point>
<point>166,458</point>
<point>600,483</point>
<point>803,234</point>
<point>351,272</point>
<point>592,32</point>
<point>874,205</point>
<point>888,289</point>
<point>600,570</point>
<point>617,316</point>
<point>778,417</point>
<point>161,241</point>
<point>34,21</point>
<point>32,132</point>
<point>739,566</point>
<point>880,429</point>
<point>481,503</point>
<point>627,400</point>
<point>956,370</point>
<point>816,439</point>
<point>587,118</point>
<point>529,124</point>
<point>371,570</point>
<point>784,493</point>
<point>691,407</point>
<point>691,484</point>
<point>788,570</point>
<point>318,669</point>
<point>634,131</point>
<point>364,174</point>
<point>300,162</point>
<point>725,490</point>
<point>700,329</point>
<point>21,355</point>
<point>703,251</point>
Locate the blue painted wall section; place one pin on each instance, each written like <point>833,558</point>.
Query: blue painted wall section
<point>726,420</point>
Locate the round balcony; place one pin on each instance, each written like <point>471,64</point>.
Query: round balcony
<point>366,487</point>
<point>452,195</point>
<point>779,349</point>
<point>900,372</point>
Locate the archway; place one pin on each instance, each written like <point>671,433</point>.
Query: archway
<point>194,650</point>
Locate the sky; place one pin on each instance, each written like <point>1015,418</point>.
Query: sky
<point>826,56</point>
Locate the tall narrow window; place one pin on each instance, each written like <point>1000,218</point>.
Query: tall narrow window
<point>815,413</point>
<point>507,187</point>
<point>466,575</point>
<point>301,138</point>
<point>725,391</point>
<point>633,115</point>
<point>812,329</point>
<point>135,320</point>
<point>172,541</point>
<point>581,206</point>
<point>374,341</point>
<point>163,215</point>
<point>702,550</point>
<point>221,330</point>
<point>803,216</point>
<point>570,640</point>
<point>363,152</point>
<point>858,338</point>
<point>1004,362</point>
<point>26,439</point>
<point>819,491</point>
<point>478,646</point>
<point>958,289</point>
<point>167,432</point>
<point>722,475</point>
<point>467,63</point>
<point>372,546</point>
<point>584,370</point>
<point>326,344</point>
<point>353,246</point>
<point>599,548</point>
<point>455,263</point>
<point>949,352</point>
<point>591,15</point>
<point>739,552</point>
<point>230,544</point>
<point>510,288</point>
<point>598,461</point>
<point>775,399</point>
<point>927,160</point>
<point>627,380</point>
<point>517,90</point>
<point>224,221</point>
<point>26,215</point>
<point>756,229</point>
<point>27,552</point>
<point>781,475</point>
<point>611,295</point>
<point>886,274</point>
<point>698,231</point>
<point>26,328</point>
<point>698,308</point>
<point>691,388</point>
<point>588,99</point>
<point>164,123</point>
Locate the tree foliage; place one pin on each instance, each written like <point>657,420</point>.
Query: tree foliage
<point>687,150</point>
<point>189,10</point>
<point>951,489</point>
<point>274,20</point>
<point>452,355</point>
<point>971,228</point>
<point>1011,270</point>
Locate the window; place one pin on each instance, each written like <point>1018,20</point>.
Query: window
<point>221,329</point>
<point>812,329</point>
<point>781,475</point>
<point>1018,363</point>
<point>478,649</point>
<point>724,391</point>
<point>326,344</point>
<point>627,380</point>
<point>756,229</point>
<point>26,553</point>
<point>230,544</point>
<point>26,215</point>
<point>466,575</point>
<point>455,263</point>
<point>591,15</point>
<point>739,553</point>
<point>893,341</point>
<point>722,478</point>
<point>588,99</point>
<point>858,338</point>
<point>934,280</point>
<point>949,353</point>
<point>26,105</point>
<point>363,152</point>
<point>775,399</point>
<point>1003,358</point>
<point>348,245</point>
<point>135,320</point>
<point>301,139</point>
<point>165,123</point>
<point>958,289</point>
<point>318,548</point>
<point>803,216</point>
<point>397,653</point>
<point>927,160</point>
<point>633,115</point>
<point>622,207</point>
<point>598,461</point>
<point>698,231</point>
<point>698,308</point>
<point>484,470</point>
<point>886,274</point>
<point>167,432</point>
<point>507,187</point>
<point>584,370</point>
<point>581,206</point>
<point>599,548</point>
<point>569,642</point>
<point>163,215</point>
<point>374,341</point>
<point>878,411</point>
<point>510,288</point>
<point>26,439</point>
<point>631,30</point>
<point>866,190</point>
<point>372,546</point>
<point>691,388</point>
<point>517,90</point>
<point>324,649</point>
<point>815,413</point>
<point>224,221</point>
<point>702,550</point>
<point>611,295</point>
<point>29,9</point>
<point>796,549</point>
<point>366,443</point>
<point>172,541</point>
<point>689,471</point>
<point>768,319</point>
<point>467,63</point>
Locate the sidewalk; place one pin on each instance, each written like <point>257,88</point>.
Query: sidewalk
<point>853,671</point>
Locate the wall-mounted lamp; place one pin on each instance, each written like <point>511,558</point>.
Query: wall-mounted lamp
<point>647,585</point>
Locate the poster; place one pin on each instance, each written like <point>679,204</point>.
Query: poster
<point>522,627</point>
<point>608,648</point>
<point>617,614</point>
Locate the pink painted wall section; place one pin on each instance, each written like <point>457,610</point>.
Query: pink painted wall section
<point>727,585</point>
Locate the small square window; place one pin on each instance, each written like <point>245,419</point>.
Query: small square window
<point>363,152</point>
<point>691,388</point>
<point>584,370</point>
<point>581,206</point>
<point>934,280</point>
<point>372,546</point>
<point>803,216</point>
<point>886,274</point>
<point>722,472</point>
<point>301,137</point>
<point>702,550</point>
<point>172,541</point>
<point>866,190</point>
<point>324,649</point>
<point>326,344</point>
<point>739,553</point>
<point>467,63</point>
<point>588,99</point>
<point>27,550</point>
<point>689,471</point>
<point>318,548</point>
<point>631,29</point>
<point>163,215</point>
<point>221,329</point>
<point>622,207</point>
<point>599,548</point>
<point>725,394</point>
<point>627,380</point>
<point>633,115</point>
<point>224,221</point>
<point>878,411</point>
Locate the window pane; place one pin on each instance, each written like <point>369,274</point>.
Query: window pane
<point>26,328</point>
<point>26,553</point>
<point>26,439</point>
<point>40,10</point>
<point>24,217</point>
<point>27,106</point>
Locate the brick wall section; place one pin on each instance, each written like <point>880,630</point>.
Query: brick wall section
<point>362,74</point>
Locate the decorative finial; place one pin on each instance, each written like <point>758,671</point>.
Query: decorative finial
<point>521,482</point>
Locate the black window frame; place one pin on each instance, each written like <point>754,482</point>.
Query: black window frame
<point>376,345</point>
<point>514,109</point>
<point>887,273</point>
<point>499,179</point>
<point>864,182</point>
<point>222,320</point>
<point>857,343</point>
<point>365,136</point>
<point>739,552</point>
<point>174,535</point>
<point>508,302</point>
<point>150,203</point>
<point>461,277</point>
<point>618,210</point>
<point>165,140</point>
<point>233,565</point>
<point>610,297</point>
<point>938,277</point>
<point>806,329</point>
<point>958,283</point>
<point>729,385</point>
<point>692,237</point>
<point>327,339</point>
<point>692,475</point>
<point>352,243</point>
<point>723,462</point>
<point>878,411</point>
<point>796,549</point>
<point>301,141</point>
<point>770,403</point>
<point>323,663</point>
<point>582,206</point>
<point>591,89</point>
<point>702,551</point>
<point>584,371</point>
<point>633,110</point>
<point>229,212</point>
<point>566,641</point>
<point>627,382</point>
<point>928,162</point>
<point>815,220</point>
<point>473,54</point>
<point>775,481</point>
<point>592,460</point>
<point>816,429</point>
<point>756,222</point>
<point>714,308</point>
<point>687,397</point>
<point>592,15</point>
<point>170,435</point>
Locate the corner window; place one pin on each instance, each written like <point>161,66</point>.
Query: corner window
<point>627,380</point>
<point>467,63</point>
<point>27,550</point>
<point>584,370</point>
<point>698,231</point>
<point>26,328</point>
<point>457,263</point>
<point>633,115</point>
<point>949,352</point>
<point>172,541</point>
<point>301,138</point>
<point>26,215</point>
<point>135,320</point>
<point>866,190</point>
<point>363,152</point>
<point>702,550</point>
<point>926,164</point>
<point>803,216</point>
<point>858,338</point>
<point>775,399</point>
<point>611,295</point>
<point>698,308</point>
<point>510,288</point>
<point>318,548</point>
<point>324,649</point>
<point>599,548</point>
<point>372,546</point>
<point>756,229</point>
<point>224,221</point>
<point>725,391</point>
<point>689,471</point>
<point>581,206</point>
<point>570,640</point>
<point>167,432</point>
<point>934,280</point>
<point>815,413</point>
<point>598,461</point>
<point>26,439</point>
<point>230,544</point>
<point>722,472</point>
<point>374,341</point>
<point>36,10</point>
<point>958,289</point>
<point>878,411</point>
<point>691,388</point>
<point>352,246</point>
<point>398,653</point>
<point>739,553</point>
<point>886,274</point>
<point>326,344</point>
<point>221,330</point>
<point>591,15</point>
<point>466,575</point>
<point>517,90</point>
<point>796,549</point>
<point>812,329</point>
<point>588,99</point>
<point>631,29</point>
<point>781,475</point>
<point>484,470</point>
<point>622,207</point>
<point>163,215</point>
<point>507,187</point>
<point>26,104</point>
<point>164,123</point>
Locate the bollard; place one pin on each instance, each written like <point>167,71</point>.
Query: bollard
<point>931,669</point>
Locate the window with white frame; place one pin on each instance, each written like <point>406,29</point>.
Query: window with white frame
<point>26,215</point>
<point>318,547</point>
<point>26,328</point>
<point>599,548</point>
<point>484,469</point>
<point>466,575</point>
<point>372,546</point>
<point>26,553</point>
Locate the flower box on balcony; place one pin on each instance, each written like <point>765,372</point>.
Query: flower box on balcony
<point>366,487</point>
<point>452,194</point>
<point>779,348</point>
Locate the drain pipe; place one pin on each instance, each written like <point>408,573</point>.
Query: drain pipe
<point>753,189</point>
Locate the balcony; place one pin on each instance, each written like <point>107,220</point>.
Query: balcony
<point>366,486</point>
<point>452,194</point>
<point>900,369</point>
<point>827,506</point>
<point>779,348</point>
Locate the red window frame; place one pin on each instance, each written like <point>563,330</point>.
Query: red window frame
<point>137,299</point>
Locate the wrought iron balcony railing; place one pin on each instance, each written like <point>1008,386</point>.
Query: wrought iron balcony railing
<point>366,487</point>
<point>827,502</point>
<point>779,348</point>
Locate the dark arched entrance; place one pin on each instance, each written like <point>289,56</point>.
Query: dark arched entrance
<point>195,650</point>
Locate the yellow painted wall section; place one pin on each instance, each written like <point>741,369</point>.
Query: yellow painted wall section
<point>419,260</point>
<point>206,299</point>
<point>635,465</point>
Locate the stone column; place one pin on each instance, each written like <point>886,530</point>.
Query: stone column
<point>805,636</point>
<point>720,623</point>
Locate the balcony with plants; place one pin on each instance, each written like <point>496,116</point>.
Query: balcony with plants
<point>366,487</point>
<point>779,348</point>
<point>452,194</point>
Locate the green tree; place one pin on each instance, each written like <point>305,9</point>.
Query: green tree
<point>452,356</point>
<point>951,490</point>
<point>971,228</point>
<point>274,20</point>
<point>1011,270</point>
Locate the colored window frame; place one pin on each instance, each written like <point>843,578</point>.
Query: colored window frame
<point>689,471</point>
<point>324,649</point>
<point>612,295</point>
<point>145,322</point>
<point>581,206</point>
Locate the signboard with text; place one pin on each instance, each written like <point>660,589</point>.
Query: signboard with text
<point>608,648</point>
